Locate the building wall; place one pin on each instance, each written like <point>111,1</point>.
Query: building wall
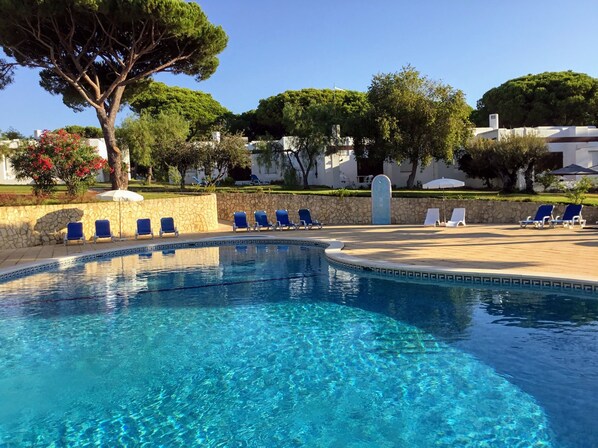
<point>37,225</point>
<point>340,170</point>
<point>335,210</point>
<point>7,173</point>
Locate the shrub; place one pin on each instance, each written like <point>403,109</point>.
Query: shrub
<point>290,178</point>
<point>547,180</point>
<point>343,193</point>
<point>577,191</point>
<point>58,156</point>
<point>174,177</point>
<point>228,182</point>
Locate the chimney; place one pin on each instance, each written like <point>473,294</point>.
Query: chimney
<point>494,121</point>
<point>37,134</point>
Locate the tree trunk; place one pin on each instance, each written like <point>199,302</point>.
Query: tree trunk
<point>150,175</point>
<point>509,180</point>
<point>305,182</point>
<point>304,172</point>
<point>118,176</point>
<point>529,178</point>
<point>182,171</point>
<point>411,178</point>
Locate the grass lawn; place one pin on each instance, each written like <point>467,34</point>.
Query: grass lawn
<point>21,194</point>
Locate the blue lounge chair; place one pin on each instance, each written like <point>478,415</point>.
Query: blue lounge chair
<point>74,232</point>
<point>571,216</point>
<point>144,228</point>
<point>256,180</point>
<point>261,221</point>
<point>283,221</point>
<point>240,221</point>
<point>306,220</point>
<point>543,216</point>
<point>167,227</point>
<point>102,230</point>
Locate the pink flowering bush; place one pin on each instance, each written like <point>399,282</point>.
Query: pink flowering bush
<point>58,156</point>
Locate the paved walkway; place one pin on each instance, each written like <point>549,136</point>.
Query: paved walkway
<point>564,253</point>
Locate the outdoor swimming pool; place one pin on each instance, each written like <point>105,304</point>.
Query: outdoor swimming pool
<point>269,345</point>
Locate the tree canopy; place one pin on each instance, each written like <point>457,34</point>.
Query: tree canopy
<point>412,118</point>
<point>269,117</point>
<point>218,157</point>
<point>198,108</point>
<point>12,134</point>
<point>309,137</point>
<point>137,135</point>
<point>546,99</point>
<point>97,52</point>
<point>84,131</point>
<point>503,158</point>
<point>171,146</point>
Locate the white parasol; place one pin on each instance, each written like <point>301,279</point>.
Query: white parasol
<point>120,196</point>
<point>442,184</point>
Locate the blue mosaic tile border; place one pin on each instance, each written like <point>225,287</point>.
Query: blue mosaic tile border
<point>76,259</point>
<point>485,279</point>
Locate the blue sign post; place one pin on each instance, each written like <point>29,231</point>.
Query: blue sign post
<point>381,194</point>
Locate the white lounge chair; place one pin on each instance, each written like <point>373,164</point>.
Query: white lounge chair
<point>457,218</point>
<point>432,217</point>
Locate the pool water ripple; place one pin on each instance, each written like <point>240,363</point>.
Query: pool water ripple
<point>273,356</point>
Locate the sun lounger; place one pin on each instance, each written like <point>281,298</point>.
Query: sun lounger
<point>261,221</point>
<point>571,216</point>
<point>240,221</point>
<point>432,217</point>
<point>256,180</point>
<point>458,217</point>
<point>74,232</point>
<point>102,230</point>
<point>167,227</point>
<point>306,220</point>
<point>543,216</point>
<point>283,221</point>
<point>144,228</point>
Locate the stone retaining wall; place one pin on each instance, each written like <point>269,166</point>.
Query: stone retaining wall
<point>355,210</point>
<point>27,226</point>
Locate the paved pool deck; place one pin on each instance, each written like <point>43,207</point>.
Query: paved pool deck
<point>503,249</point>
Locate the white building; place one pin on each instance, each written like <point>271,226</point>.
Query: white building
<point>571,145</point>
<point>338,170</point>
<point>7,174</point>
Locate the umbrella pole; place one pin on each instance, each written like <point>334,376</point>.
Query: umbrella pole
<point>120,222</point>
<point>443,207</point>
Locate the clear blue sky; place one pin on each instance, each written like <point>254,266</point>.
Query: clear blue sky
<point>276,45</point>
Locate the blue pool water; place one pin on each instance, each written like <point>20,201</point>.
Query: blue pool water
<point>269,346</point>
